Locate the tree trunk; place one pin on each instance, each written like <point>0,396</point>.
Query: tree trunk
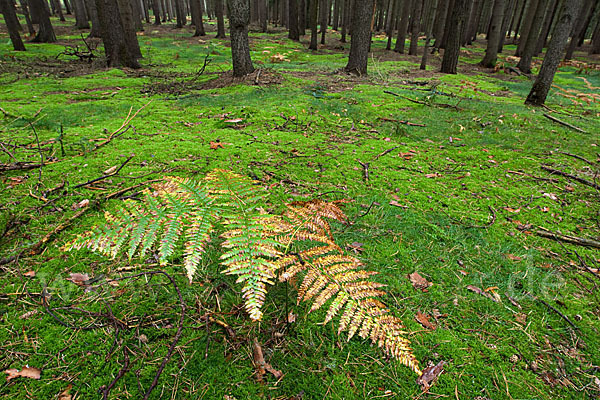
<point>532,38</point>
<point>526,26</point>
<point>220,19</point>
<point>440,22</point>
<point>25,9</point>
<point>58,9</point>
<point>346,17</point>
<point>119,50</point>
<point>579,28</point>
<point>392,23</point>
<point>313,11</point>
<point>548,18</point>
<point>179,13</point>
<point>595,49</point>
<point>294,33</point>
<point>558,43</point>
<point>90,5</point>
<point>239,17</point>
<point>324,11</point>
<point>508,13</point>
<point>12,24</point>
<point>301,17</point>
<point>448,26</point>
<point>416,27</point>
<point>196,9</point>
<point>457,24</point>
<point>156,11</point>
<point>361,37</point>
<point>136,14</point>
<point>81,18</point>
<point>336,15</point>
<point>473,25</point>
<point>45,30</point>
<point>430,22</point>
<point>491,52</point>
<point>264,18</point>
<point>403,26</point>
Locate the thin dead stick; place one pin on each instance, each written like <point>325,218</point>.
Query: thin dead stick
<point>543,232</point>
<point>572,177</point>
<point>399,121</point>
<point>575,156</point>
<point>563,123</point>
<point>116,172</point>
<point>385,152</point>
<point>563,316</point>
<point>365,171</point>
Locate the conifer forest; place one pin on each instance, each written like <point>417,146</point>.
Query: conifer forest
<point>300,199</point>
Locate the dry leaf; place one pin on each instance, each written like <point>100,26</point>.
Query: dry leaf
<point>81,204</point>
<point>28,314</point>
<point>521,318</point>
<point>216,145</point>
<point>513,257</point>
<point>430,374</point>
<point>291,318</point>
<point>436,175</point>
<point>234,120</point>
<point>423,319</point>
<point>396,204</point>
<point>64,395</point>
<point>111,170</point>
<point>29,274</point>
<point>419,282</point>
<point>27,372</point>
<point>78,278</point>
<point>477,290</point>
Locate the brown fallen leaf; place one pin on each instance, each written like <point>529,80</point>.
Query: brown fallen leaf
<point>234,120</point>
<point>111,170</point>
<point>357,247</point>
<point>423,319</point>
<point>521,318</point>
<point>78,278</point>
<point>28,314</point>
<point>477,290</point>
<point>81,204</point>
<point>216,145</point>
<point>396,204</point>
<point>65,395</point>
<point>27,372</point>
<point>261,365</point>
<point>419,282</point>
<point>291,318</point>
<point>29,274</point>
<point>436,175</point>
<point>430,374</point>
<point>513,257</point>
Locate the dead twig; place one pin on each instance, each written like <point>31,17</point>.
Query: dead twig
<point>385,152</point>
<point>399,121</point>
<point>116,172</point>
<point>543,232</point>
<point>575,156</point>
<point>563,123</point>
<point>365,170</point>
<point>570,176</point>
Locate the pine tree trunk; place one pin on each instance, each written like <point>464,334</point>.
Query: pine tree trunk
<point>58,9</point>
<point>508,15</point>
<point>115,36</point>
<point>392,23</point>
<point>264,18</point>
<point>90,5</point>
<point>301,17</point>
<point>456,24</point>
<point>595,49</point>
<point>548,18</point>
<point>12,24</point>
<point>81,18</point>
<point>532,38</point>
<point>156,11</point>
<point>220,19</point>
<point>361,37</point>
<point>25,9</point>
<point>558,43</point>
<point>526,26</point>
<point>432,15</point>
<point>471,31</point>
<point>313,11</point>
<point>448,26</point>
<point>403,26</point>
<point>491,52</point>
<point>579,28</point>
<point>196,9</point>
<point>45,30</point>
<point>346,17</point>
<point>324,17</point>
<point>179,13</point>
<point>294,33</point>
<point>239,17</point>
<point>416,27</point>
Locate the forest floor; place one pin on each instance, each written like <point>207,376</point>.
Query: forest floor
<point>462,187</point>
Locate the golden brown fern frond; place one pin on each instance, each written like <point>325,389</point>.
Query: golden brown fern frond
<point>331,276</point>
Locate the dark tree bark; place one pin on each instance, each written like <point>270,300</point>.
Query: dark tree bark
<point>45,30</point>
<point>391,23</point>
<point>58,8</point>
<point>471,31</point>
<point>457,24</point>
<point>263,17</point>
<point>346,18</point>
<point>81,18</point>
<point>93,14</point>
<point>220,19</point>
<point>519,17</point>
<point>336,15</point>
<point>12,24</point>
<point>595,49</point>
<point>416,27</point>
<point>313,15</point>
<point>508,15</point>
<point>301,17</point>
<point>324,17</point>
<point>548,18</point>
<point>361,37</point>
<point>180,14</point>
<point>118,46</point>
<point>239,17</point>
<point>156,11</point>
<point>526,26</point>
<point>558,43</point>
<point>294,33</point>
<point>196,9</point>
<point>25,9</point>
<point>491,52</point>
<point>403,26</point>
<point>429,30</point>
<point>440,22</point>
<point>579,28</point>
<point>532,38</point>
<point>136,14</point>
<point>448,26</point>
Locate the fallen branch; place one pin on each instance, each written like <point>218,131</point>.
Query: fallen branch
<point>441,105</point>
<point>22,166</point>
<point>365,170</point>
<point>575,156</point>
<point>399,121</point>
<point>116,172</point>
<point>563,123</point>
<point>563,316</point>
<point>570,176</point>
<point>543,232</point>
<point>385,152</point>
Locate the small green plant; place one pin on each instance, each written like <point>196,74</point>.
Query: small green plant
<point>181,213</point>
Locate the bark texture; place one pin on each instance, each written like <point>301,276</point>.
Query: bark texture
<point>239,18</point>
<point>12,24</point>
<point>456,25</point>
<point>361,37</point>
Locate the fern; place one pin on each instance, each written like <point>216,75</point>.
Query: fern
<point>250,237</point>
<point>330,276</point>
<point>171,209</point>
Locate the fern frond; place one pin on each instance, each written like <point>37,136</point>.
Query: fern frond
<point>330,276</point>
<point>250,237</point>
<point>171,209</point>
